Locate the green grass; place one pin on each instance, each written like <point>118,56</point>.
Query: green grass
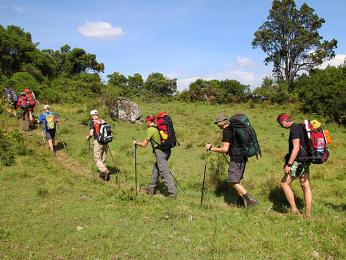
<point>49,210</point>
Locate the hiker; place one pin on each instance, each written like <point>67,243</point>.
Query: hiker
<point>32,102</point>
<point>50,120</point>
<point>100,149</point>
<point>237,163</point>
<point>295,167</point>
<point>160,167</point>
<point>23,104</point>
<point>10,95</point>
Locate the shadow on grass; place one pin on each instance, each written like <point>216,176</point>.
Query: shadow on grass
<point>60,146</point>
<point>230,196</point>
<point>341,207</point>
<point>280,203</point>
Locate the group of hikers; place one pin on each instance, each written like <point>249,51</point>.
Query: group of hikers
<point>239,141</point>
<point>26,102</point>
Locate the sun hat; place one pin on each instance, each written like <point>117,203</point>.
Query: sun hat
<point>220,118</point>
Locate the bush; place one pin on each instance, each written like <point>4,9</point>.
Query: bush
<point>72,89</point>
<point>21,80</point>
<point>323,92</point>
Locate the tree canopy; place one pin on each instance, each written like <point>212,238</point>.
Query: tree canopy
<point>291,40</point>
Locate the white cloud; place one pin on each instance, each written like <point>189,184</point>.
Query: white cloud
<point>100,30</point>
<point>245,62</point>
<point>339,59</point>
<point>18,8</point>
<point>185,82</point>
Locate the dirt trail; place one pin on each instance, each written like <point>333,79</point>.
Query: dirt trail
<point>65,161</point>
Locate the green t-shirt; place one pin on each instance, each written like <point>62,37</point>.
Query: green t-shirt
<point>154,135</point>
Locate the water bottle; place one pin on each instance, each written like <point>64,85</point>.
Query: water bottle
<point>327,136</point>
<point>320,146</point>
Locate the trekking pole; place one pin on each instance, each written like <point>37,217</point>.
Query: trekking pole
<point>62,139</point>
<point>224,156</point>
<point>109,149</point>
<point>205,170</point>
<point>135,159</point>
<point>177,182</point>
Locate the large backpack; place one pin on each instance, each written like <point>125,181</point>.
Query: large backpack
<point>51,121</point>
<point>30,96</point>
<point>103,131</point>
<point>23,102</point>
<point>166,130</point>
<point>315,142</point>
<point>245,135</point>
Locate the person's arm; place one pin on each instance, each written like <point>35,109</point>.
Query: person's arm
<point>56,118</point>
<point>91,133</point>
<point>91,130</point>
<point>294,154</point>
<point>223,149</point>
<point>142,144</point>
<point>40,119</point>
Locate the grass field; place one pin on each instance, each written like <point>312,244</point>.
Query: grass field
<point>55,207</point>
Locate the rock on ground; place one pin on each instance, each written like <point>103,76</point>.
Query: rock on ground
<point>126,110</point>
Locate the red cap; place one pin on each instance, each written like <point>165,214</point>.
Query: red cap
<point>282,117</point>
<point>149,118</point>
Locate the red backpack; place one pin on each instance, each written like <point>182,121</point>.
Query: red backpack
<point>166,129</point>
<point>23,102</point>
<point>30,97</point>
<point>316,142</point>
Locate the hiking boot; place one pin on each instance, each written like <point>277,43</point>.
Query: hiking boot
<point>249,200</point>
<point>149,190</point>
<point>240,202</point>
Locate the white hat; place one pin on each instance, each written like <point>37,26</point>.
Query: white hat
<point>46,107</point>
<point>94,112</point>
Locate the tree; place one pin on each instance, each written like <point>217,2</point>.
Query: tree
<point>16,49</point>
<point>291,40</point>
<point>117,79</point>
<point>135,81</point>
<point>78,61</point>
<point>159,84</point>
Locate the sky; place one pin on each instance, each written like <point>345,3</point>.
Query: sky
<point>183,39</point>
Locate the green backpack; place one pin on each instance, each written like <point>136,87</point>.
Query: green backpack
<point>245,135</point>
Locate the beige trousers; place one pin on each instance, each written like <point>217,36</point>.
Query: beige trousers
<point>100,152</point>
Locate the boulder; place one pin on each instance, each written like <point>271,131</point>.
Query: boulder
<point>126,110</point>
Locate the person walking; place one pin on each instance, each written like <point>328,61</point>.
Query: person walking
<point>238,161</point>
<point>295,166</point>
<point>160,167</point>
<point>100,149</point>
<point>10,95</point>
<point>50,120</point>
<point>23,104</point>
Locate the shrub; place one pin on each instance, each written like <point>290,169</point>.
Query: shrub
<point>21,80</point>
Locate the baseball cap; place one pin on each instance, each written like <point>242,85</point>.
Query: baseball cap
<point>94,112</point>
<point>220,118</point>
<point>46,107</point>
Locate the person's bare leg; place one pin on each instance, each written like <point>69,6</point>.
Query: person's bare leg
<point>305,184</point>
<point>50,145</point>
<point>285,184</point>
<point>239,188</point>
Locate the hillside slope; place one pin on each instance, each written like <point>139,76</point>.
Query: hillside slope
<point>54,207</point>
